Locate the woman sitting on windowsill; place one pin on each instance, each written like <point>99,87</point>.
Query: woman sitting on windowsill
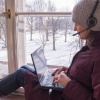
<point>81,80</point>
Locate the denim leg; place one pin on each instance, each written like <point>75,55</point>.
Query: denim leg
<point>29,68</point>
<point>12,82</point>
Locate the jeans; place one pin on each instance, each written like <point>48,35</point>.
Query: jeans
<point>15,80</point>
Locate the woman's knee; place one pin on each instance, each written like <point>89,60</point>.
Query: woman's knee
<point>24,66</point>
<point>21,71</point>
<point>29,68</point>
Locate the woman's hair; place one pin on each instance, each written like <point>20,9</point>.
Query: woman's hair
<point>93,38</point>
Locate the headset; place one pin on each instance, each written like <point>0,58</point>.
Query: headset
<point>92,21</point>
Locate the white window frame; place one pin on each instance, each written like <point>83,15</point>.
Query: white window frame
<point>16,57</point>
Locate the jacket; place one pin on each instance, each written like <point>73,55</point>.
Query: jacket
<point>85,78</point>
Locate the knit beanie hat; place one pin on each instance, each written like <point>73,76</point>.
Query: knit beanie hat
<point>82,12</point>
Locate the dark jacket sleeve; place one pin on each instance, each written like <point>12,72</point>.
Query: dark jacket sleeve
<point>75,91</point>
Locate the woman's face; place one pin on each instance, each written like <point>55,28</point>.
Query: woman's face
<point>79,28</point>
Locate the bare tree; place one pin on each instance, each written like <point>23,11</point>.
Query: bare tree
<point>2,25</point>
<point>54,22</point>
<point>66,26</point>
<point>66,32</point>
<point>37,23</point>
<point>30,22</point>
<point>39,5</point>
<point>55,26</point>
<point>51,27</point>
<point>45,22</point>
<point>42,38</point>
<point>45,25</point>
<point>30,26</point>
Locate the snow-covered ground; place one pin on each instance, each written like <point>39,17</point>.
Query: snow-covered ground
<point>62,56</point>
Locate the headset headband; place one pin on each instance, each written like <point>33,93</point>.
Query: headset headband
<point>94,9</point>
<point>92,21</point>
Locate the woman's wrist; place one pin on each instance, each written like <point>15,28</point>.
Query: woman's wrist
<point>67,82</point>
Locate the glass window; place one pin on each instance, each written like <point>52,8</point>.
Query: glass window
<point>3,42</point>
<point>55,35</point>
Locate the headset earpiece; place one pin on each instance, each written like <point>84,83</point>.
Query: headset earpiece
<point>91,22</point>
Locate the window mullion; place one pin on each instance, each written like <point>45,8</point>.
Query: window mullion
<point>14,41</point>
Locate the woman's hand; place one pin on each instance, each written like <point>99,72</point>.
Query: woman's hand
<point>59,70</point>
<point>61,78</point>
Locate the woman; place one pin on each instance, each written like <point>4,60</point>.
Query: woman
<point>81,80</point>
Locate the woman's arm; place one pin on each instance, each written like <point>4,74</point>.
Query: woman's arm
<point>76,91</point>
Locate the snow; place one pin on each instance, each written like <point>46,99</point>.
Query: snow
<point>62,56</point>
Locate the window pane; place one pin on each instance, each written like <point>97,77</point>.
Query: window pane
<point>55,35</point>
<point>3,42</point>
<point>2,6</point>
<point>47,5</point>
<point>3,48</point>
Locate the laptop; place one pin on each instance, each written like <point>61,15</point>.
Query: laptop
<point>43,72</point>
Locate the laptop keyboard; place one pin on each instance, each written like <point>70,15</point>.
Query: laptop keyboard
<point>48,80</point>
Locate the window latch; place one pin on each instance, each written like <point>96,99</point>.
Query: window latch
<point>7,14</point>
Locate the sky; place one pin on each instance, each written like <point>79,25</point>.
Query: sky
<point>64,3</point>
<point>60,4</point>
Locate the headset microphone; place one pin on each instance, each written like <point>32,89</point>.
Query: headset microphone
<point>82,31</point>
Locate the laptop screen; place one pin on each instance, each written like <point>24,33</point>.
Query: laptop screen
<point>39,61</point>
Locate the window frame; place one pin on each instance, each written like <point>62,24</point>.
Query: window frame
<point>17,50</point>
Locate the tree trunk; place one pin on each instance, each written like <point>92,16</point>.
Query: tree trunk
<point>47,39</point>
<point>31,35</point>
<point>66,36</point>
<point>54,41</point>
<point>5,39</point>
